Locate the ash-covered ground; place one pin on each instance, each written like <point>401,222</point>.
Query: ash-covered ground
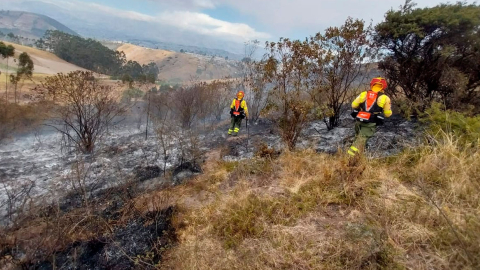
<point>36,168</point>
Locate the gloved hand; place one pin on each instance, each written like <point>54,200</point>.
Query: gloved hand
<point>354,113</point>
<point>379,119</point>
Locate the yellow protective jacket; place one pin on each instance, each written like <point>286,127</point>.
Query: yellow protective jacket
<point>243,106</point>
<point>383,102</point>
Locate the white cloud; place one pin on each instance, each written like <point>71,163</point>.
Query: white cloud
<point>132,15</point>
<point>204,24</point>
<point>286,16</point>
<point>186,4</point>
<point>176,16</point>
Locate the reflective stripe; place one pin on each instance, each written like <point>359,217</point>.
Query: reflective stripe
<point>354,148</point>
<point>237,129</point>
<point>351,153</point>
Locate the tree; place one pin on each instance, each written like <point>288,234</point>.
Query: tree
<point>253,81</point>
<point>84,108</point>
<point>24,71</point>
<point>218,96</point>
<point>151,72</point>
<point>256,82</point>
<point>6,52</point>
<point>339,68</point>
<point>187,104</point>
<point>165,126</point>
<point>287,69</point>
<point>40,44</point>
<point>432,54</point>
<point>87,53</point>
<point>134,69</point>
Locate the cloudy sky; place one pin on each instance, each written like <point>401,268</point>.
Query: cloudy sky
<point>240,20</point>
<point>248,19</point>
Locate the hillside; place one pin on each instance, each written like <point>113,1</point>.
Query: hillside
<point>181,67</point>
<point>290,210</point>
<point>45,62</point>
<point>29,25</point>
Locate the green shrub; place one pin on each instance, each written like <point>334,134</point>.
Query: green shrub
<point>440,121</point>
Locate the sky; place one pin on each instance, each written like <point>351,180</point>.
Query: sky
<point>258,19</point>
<point>242,20</point>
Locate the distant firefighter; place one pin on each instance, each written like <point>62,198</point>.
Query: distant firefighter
<point>238,111</point>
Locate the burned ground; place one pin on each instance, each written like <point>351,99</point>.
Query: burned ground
<point>125,166</point>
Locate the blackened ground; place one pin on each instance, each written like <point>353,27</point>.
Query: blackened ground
<point>127,248</point>
<point>390,139</point>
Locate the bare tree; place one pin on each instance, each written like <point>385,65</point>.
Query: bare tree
<point>219,94</point>
<point>187,103</point>
<point>83,108</point>
<point>258,85</point>
<point>253,81</point>
<point>164,126</point>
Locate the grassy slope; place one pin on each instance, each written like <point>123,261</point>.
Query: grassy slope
<point>176,67</point>
<point>305,210</point>
<point>45,62</point>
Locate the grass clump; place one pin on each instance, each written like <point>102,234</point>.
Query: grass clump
<point>465,128</point>
<point>418,210</point>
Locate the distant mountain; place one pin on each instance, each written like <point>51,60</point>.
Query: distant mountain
<point>95,23</point>
<point>29,25</point>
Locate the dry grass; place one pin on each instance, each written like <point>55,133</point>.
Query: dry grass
<point>177,67</point>
<point>45,62</point>
<point>304,210</point>
<point>419,210</point>
<point>16,118</point>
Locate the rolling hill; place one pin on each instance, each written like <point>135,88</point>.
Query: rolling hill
<point>45,62</point>
<point>181,67</point>
<point>29,25</point>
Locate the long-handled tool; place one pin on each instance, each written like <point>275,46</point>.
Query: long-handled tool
<point>248,133</point>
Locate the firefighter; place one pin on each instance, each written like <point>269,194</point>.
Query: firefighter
<point>369,109</point>
<point>238,111</point>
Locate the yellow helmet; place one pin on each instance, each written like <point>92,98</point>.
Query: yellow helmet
<point>378,84</point>
<point>240,95</point>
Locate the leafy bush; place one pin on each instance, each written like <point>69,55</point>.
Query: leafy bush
<point>440,121</point>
